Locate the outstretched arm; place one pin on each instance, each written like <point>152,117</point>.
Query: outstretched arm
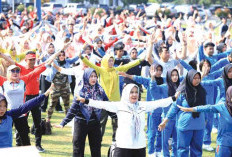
<point>71,114</point>
<point>205,108</point>
<point>7,58</point>
<point>91,65</point>
<point>152,105</point>
<point>128,66</point>
<point>106,105</point>
<point>29,104</point>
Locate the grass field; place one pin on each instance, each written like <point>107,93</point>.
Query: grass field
<point>59,144</point>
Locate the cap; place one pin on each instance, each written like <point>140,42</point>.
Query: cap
<point>22,28</point>
<point>13,67</point>
<point>209,44</point>
<point>2,97</point>
<point>119,46</point>
<point>30,56</point>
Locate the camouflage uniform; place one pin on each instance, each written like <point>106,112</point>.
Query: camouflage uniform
<point>61,89</point>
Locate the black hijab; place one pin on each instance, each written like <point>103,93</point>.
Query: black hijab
<point>159,80</point>
<point>172,86</point>
<point>166,42</point>
<point>61,63</point>
<point>195,95</point>
<point>228,100</point>
<point>227,81</point>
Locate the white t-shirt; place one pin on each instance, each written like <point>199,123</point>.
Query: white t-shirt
<point>167,65</point>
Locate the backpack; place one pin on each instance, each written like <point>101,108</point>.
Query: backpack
<point>45,127</point>
<point>111,150</point>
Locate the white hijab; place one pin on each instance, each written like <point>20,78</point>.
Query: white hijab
<point>132,107</point>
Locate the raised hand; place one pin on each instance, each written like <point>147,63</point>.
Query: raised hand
<point>153,71</point>
<point>153,38</point>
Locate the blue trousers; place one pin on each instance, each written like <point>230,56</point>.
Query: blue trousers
<point>208,128</point>
<point>168,132</point>
<point>223,151</point>
<point>154,136</point>
<point>192,139</point>
<point>215,120</point>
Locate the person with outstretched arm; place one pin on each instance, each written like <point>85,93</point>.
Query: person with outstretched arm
<point>6,117</point>
<point>224,145</point>
<point>130,136</point>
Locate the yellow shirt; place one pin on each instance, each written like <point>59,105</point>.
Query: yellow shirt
<point>109,79</point>
<point>18,57</point>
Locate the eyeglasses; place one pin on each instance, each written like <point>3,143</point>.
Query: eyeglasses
<point>15,71</point>
<point>61,55</point>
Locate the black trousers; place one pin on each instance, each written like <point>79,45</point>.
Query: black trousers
<point>44,87</point>
<point>36,115</point>
<point>73,84</point>
<point>123,152</point>
<point>22,128</point>
<point>114,123</point>
<point>81,130</point>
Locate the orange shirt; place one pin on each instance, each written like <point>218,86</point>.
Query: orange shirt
<point>32,86</point>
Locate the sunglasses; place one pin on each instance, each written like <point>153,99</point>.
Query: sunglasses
<point>15,71</point>
<point>61,55</point>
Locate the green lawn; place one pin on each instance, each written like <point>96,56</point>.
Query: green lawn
<point>59,144</point>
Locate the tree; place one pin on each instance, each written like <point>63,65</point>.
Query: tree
<point>77,1</point>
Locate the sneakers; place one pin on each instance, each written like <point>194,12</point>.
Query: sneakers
<point>215,130</point>
<point>159,154</point>
<point>152,155</point>
<point>40,149</point>
<point>208,148</point>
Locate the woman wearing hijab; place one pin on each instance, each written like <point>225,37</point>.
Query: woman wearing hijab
<point>153,117</point>
<point>224,145</point>
<point>207,74</point>
<point>49,51</point>
<point>190,126</point>
<point>224,82</point>
<point>61,83</point>
<point>7,116</point>
<point>45,84</point>
<point>168,89</point>
<point>130,137</point>
<point>87,119</point>
<point>109,80</point>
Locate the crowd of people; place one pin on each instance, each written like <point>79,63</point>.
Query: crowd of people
<point>106,61</point>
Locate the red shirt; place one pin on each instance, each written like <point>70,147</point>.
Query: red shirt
<point>32,84</point>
